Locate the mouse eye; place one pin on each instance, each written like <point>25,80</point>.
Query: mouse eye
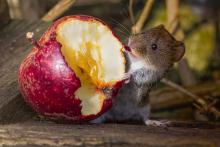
<point>153,46</point>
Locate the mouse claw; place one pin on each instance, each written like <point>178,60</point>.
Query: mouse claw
<point>127,81</point>
<point>156,123</point>
<point>126,78</point>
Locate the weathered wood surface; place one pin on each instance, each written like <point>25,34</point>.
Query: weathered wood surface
<point>49,134</point>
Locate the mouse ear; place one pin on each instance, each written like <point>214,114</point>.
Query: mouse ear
<point>160,26</point>
<point>179,51</point>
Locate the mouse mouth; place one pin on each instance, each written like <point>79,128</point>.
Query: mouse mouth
<point>134,52</point>
<point>133,48</point>
<point>131,51</point>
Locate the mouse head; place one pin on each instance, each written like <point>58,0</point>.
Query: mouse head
<point>157,47</point>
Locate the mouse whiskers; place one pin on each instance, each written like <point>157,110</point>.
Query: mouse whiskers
<point>121,32</point>
<point>148,60</point>
<point>163,52</point>
<point>126,9</point>
<point>121,26</point>
<point>125,12</point>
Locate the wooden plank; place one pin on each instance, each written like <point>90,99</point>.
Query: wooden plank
<point>50,134</point>
<point>14,47</point>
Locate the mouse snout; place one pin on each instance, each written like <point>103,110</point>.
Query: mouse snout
<point>134,38</point>
<point>130,41</point>
<point>133,42</point>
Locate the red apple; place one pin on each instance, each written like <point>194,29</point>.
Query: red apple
<point>65,74</point>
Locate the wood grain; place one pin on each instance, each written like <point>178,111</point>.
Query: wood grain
<point>50,134</point>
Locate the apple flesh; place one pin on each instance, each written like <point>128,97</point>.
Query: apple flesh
<point>65,74</point>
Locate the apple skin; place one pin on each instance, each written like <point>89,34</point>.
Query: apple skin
<point>48,84</point>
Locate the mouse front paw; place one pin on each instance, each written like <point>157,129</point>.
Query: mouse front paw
<point>156,123</point>
<point>98,120</point>
<point>126,77</point>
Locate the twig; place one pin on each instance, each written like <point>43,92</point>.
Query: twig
<point>166,98</point>
<point>131,13</point>
<point>143,17</point>
<point>58,10</point>
<point>173,24</point>
<point>172,9</point>
<point>15,9</point>
<point>201,103</point>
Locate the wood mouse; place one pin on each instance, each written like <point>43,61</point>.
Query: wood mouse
<point>152,54</point>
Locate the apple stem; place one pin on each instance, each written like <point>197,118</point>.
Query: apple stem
<point>32,40</point>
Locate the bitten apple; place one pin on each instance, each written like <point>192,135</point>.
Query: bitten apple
<point>69,69</point>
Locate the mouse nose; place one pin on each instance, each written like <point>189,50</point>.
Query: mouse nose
<point>129,41</point>
<point>132,40</point>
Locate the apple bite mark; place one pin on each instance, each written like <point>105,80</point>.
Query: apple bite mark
<point>95,55</point>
